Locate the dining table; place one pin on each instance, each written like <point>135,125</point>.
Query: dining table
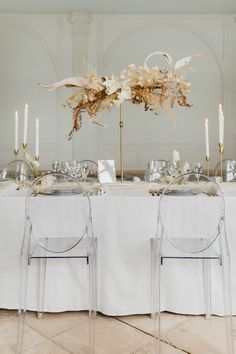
<point>124,221</point>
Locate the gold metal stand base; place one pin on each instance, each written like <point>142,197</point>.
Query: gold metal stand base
<point>121,125</point>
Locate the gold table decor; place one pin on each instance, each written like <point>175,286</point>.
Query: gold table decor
<point>221,151</point>
<point>208,165</point>
<point>121,125</point>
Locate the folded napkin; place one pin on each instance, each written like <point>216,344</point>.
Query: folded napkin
<point>7,188</point>
<point>208,188</point>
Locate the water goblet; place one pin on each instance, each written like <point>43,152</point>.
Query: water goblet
<point>173,169</point>
<point>65,167</point>
<point>84,172</point>
<point>71,168</point>
<point>198,169</point>
<point>161,168</point>
<point>149,174</point>
<point>233,165</point>
<point>78,170</point>
<point>55,165</point>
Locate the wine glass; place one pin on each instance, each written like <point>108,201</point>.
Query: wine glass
<point>55,165</point>
<point>198,169</point>
<point>77,170</point>
<point>65,167</point>
<point>161,167</point>
<point>84,172</point>
<point>149,173</point>
<point>173,169</point>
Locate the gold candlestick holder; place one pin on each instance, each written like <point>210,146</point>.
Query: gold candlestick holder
<point>24,146</point>
<point>221,151</point>
<point>36,158</point>
<point>16,152</point>
<point>208,165</point>
<point>121,125</point>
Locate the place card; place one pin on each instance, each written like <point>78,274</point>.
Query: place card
<point>106,171</point>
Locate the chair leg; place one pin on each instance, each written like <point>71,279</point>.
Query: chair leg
<point>226,287</point>
<point>207,287</point>
<point>22,303</point>
<point>41,286</point>
<point>92,300</point>
<point>155,296</point>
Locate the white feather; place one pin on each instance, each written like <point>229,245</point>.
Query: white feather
<point>164,54</point>
<point>184,61</point>
<point>69,82</point>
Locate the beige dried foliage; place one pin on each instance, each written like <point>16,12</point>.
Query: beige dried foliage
<point>157,89</point>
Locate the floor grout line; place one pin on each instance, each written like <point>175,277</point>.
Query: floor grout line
<point>149,334</point>
<point>52,339</point>
<point>59,333</point>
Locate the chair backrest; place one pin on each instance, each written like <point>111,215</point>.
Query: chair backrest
<point>58,212</point>
<point>18,170</point>
<point>191,212</point>
<point>228,170</point>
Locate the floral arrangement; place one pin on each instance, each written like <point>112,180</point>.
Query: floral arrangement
<point>154,87</point>
<point>158,88</point>
<point>96,94</point>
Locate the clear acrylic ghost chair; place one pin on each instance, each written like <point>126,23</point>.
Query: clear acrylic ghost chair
<point>191,227</point>
<point>58,224</point>
<point>18,170</point>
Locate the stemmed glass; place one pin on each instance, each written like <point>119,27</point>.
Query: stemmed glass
<point>173,169</point>
<point>161,167</point>
<point>85,172</point>
<point>198,169</point>
<point>65,167</point>
<point>233,166</point>
<point>55,165</point>
<point>77,170</point>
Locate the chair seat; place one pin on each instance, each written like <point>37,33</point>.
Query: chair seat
<point>168,251</point>
<point>58,243</point>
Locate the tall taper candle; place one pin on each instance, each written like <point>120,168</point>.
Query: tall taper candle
<point>37,138</point>
<point>207,139</point>
<point>16,145</point>
<point>221,125</point>
<point>25,124</point>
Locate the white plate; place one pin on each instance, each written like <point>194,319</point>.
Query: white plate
<point>184,192</point>
<point>61,191</point>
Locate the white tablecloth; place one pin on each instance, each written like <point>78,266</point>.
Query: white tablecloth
<point>124,221</point>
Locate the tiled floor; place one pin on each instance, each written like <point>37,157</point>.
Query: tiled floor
<point>67,333</point>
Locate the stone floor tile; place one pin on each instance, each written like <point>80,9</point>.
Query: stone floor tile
<point>7,315</point>
<point>198,335</point>
<point>146,324</point>
<point>46,347</point>
<point>234,327</point>
<point>8,337</point>
<point>70,341</point>
<point>165,349</point>
<point>112,337</point>
<point>52,324</point>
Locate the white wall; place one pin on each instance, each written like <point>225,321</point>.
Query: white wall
<point>44,49</point>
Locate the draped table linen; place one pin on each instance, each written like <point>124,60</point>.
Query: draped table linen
<point>124,220</point>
